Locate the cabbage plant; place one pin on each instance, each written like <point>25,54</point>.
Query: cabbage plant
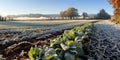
<point>69,46</point>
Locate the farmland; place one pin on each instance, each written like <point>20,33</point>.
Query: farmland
<point>75,38</point>
<point>16,32</point>
<point>38,26</point>
<point>59,30</point>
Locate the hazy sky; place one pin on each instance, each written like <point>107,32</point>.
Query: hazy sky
<point>10,7</point>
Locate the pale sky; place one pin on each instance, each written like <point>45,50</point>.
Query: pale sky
<point>11,7</point>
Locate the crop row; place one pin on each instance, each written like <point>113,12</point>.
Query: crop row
<point>69,46</point>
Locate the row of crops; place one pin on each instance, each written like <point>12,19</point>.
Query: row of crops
<point>72,45</point>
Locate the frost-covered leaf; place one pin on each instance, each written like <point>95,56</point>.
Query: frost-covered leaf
<point>50,51</point>
<point>69,56</point>
<point>64,47</point>
<point>80,51</point>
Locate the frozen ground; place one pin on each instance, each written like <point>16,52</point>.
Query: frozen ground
<point>13,31</point>
<point>105,44</point>
<point>43,24</point>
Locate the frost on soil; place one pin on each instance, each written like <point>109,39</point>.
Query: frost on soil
<point>105,43</point>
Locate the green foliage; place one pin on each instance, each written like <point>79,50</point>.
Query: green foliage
<point>69,56</point>
<point>69,34</point>
<point>67,47</point>
<point>35,53</point>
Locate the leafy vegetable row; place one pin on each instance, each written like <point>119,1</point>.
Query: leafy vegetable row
<point>67,47</point>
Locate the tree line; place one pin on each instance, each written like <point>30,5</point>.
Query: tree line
<point>3,18</point>
<point>73,12</point>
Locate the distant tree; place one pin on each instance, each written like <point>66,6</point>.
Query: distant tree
<point>84,15</point>
<point>0,17</point>
<point>70,12</point>
<point>5,18</point>
<point>102,15</point>
<point>62,14</point>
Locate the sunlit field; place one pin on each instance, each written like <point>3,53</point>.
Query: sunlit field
<point>60,30</point>
<point>13,32</point>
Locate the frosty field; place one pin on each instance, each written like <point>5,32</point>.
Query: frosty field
<point>12,33</point>
<point>33,25</point>
<point>17,37</point>
<point>17,31</point>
